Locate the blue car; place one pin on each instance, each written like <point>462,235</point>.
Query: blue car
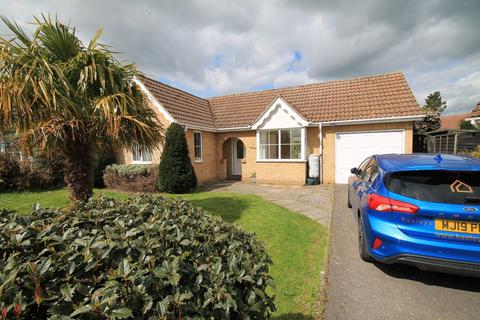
<point>418,209</point>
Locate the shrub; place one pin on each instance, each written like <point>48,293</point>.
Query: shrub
<point>9,172</point>
<point>175,171</point>
<point>148,258</point>
<point>476,153</point>
<point>131,177</point>
<point>28,174</point>
<point>106,158</point>
<point>466,125</point>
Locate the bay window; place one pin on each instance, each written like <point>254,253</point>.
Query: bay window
<point>282,144</point>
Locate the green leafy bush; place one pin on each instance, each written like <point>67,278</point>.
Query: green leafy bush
<point>175,171</point>
<point>145,258</point>
<point>131,177</point>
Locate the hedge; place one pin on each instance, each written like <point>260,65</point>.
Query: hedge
<point>131,177</point>
<point>29,174</point>
<point>144,258</point>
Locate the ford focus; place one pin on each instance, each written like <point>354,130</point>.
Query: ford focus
<point>418,209</point>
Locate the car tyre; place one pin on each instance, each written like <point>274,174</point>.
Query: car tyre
<point>362,242</point>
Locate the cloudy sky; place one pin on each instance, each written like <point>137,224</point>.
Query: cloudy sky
<point>217,47</point>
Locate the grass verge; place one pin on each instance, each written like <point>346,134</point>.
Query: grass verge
<point>295,242</point>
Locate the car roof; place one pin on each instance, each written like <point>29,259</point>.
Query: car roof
<point>422,161</point>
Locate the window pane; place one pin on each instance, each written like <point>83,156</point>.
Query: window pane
<point>273,137</point>
<point>296,136</point>
<point>296,151</point>
<point>285,151</point>
<point>263,152</point>
<point>138,155</point>
<point>197,143</point>
<point>285,136</point>
<point>147,156</point>
<point>436,186</point>
<point>196,138</point>
<point>135,153</point>
<point>273,151</point>
<point>263,137</point>
<point>239,149</point>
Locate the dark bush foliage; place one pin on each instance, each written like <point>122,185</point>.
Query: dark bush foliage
<point>131,177</point>
<point>106,158</point>
<point>29,174</point>
<point>9,172</point>
<point>175,172</point>
<point>145,258</point>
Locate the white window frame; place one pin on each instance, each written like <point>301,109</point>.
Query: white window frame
<point>141,161</point>
<point>303,137</point>
<point>198,159</point>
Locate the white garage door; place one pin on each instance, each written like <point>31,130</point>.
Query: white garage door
<point>353,147</point>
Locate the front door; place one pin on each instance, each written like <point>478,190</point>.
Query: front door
<point>237,156</point>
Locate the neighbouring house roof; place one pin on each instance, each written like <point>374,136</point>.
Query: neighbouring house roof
<point>475,112</point>
<point>381,96</point>
<point>452,121</point>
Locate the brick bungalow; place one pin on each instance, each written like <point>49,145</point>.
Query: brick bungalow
<point>271,133</point>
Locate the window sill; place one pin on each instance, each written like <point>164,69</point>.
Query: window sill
<point>198,161</point>
<point>282,160</point>
<point>141,162</point>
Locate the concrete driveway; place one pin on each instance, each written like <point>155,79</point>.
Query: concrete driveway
<point>359,290</point>
<point>313,201</point>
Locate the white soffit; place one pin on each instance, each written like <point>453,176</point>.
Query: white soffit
<point>279,115</point>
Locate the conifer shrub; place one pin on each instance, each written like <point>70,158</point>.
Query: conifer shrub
<point>144,258</point>
<point>175,171</point>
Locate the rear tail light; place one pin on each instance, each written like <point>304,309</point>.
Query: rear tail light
<point>384,204</point>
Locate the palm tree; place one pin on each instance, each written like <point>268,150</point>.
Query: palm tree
<point>68,100</point>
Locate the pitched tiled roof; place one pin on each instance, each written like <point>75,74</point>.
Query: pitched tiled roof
<point>182,106</point>
<point>475,112</point>
<point>452,121</point>
<point>381,96</point>
<point>363,98</point>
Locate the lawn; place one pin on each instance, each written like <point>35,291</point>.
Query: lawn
<point>295,242</point>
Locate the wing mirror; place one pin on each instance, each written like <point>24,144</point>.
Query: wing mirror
<point>354,171</point>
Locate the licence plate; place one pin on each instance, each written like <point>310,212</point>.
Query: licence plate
<point>457,226</point>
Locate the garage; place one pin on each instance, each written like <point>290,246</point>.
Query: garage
<point>351,148</point>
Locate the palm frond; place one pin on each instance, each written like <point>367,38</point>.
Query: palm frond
<point>94,42</point>
<point>17,31</point>
<point>60,40</point>
<point>57,91</point>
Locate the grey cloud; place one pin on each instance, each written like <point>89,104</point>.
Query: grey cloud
<point>435,42</point>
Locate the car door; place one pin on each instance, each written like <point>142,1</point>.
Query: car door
<point>356,181</point>
<point>367,179</point>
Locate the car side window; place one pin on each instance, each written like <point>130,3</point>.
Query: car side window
<point>363,166</point>
<point>371,172</point>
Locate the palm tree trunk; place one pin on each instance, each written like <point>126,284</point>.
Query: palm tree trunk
<point>79,170</point>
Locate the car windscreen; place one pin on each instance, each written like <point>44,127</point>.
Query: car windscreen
<point>455,187</point>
